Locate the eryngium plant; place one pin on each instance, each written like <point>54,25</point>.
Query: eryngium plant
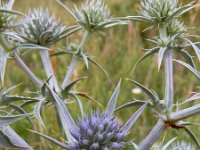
<point>98,131</point>
<point>182,145</point>
<point>93,15</point>
<point>160,11</point>
<point>7,16</point>
<point>172,38</point>
<point>41,28</point>
<point>9,105</point>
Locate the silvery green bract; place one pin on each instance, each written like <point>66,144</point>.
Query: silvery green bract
<point>6,14</point>
<point>172,38</point>
<point>156,12</point>
<point>96,131</point>
<point>94,15</point>
<point>41,28</point>
<point>181,145</point>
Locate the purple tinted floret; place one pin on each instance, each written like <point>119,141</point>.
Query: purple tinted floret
<point>98,132</point>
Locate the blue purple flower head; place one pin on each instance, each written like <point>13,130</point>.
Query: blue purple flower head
<point>96,131</point>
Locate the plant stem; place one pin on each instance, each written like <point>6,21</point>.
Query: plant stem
<point>169,88</point>
<point>44,54</point>
<point>153,136</point>
<point>74,60</point>
<point>30,74</point>
<point>168,67</point>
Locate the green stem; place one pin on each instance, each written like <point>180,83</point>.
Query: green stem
<point>74,60</point>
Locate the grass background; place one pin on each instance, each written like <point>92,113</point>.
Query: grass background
<point>117,53</point>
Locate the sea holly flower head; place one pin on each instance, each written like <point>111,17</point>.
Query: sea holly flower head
<point>41,28</point>
<point>98,132</point>
<point>176,27</point>
<point>6,15</point>
<point>160,11</point>
<point>94,15</point>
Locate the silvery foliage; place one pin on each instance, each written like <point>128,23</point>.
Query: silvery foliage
<point>12,110</point>
<point>41,29</point>
<point>38,30</point>
<point>93,15</point>
<point>181,145</point>
<point>8,107</point>
<point>173,37</point>
<point>96,131</point>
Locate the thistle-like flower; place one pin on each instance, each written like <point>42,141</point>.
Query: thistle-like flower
<point>160,11</point>
<point>181,145</point>
<point>96,132</point>
<point>176,27</point>
<point>94,15</point>
<point>41,29</point>
<point>6,15</point>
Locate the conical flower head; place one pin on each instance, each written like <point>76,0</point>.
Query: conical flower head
<point>181,145</point>
<point>176,27</point>
<point>98,132</point>
<point>6,16</point>
<point>41,29</point>
<point>92,13</point>
<point>157,10</point>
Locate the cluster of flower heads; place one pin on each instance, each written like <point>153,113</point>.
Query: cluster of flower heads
<point>40,28</point>
<point>92,13</point>
<point>98,132</point>
<point>157,10</point>
<point>176,27</point>
<point>6,15</point>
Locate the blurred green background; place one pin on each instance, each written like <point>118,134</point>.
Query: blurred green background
<point>117,52</point>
